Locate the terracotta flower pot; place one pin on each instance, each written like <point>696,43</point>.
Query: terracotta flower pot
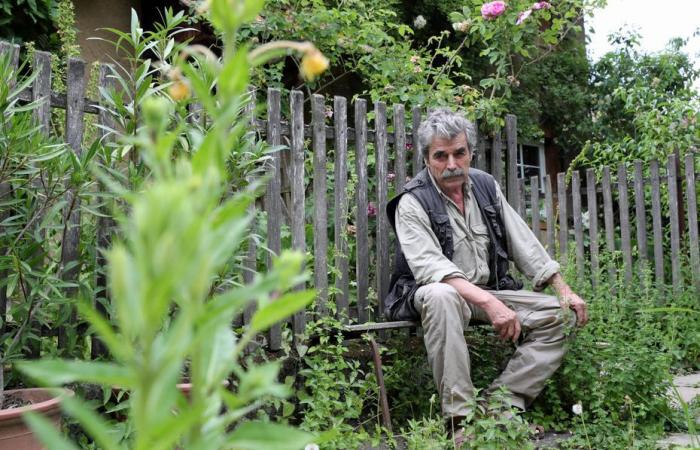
<point>14,433</point>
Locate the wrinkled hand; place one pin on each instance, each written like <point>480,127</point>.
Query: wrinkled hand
<point>504,320</point>
<point>571,300</point>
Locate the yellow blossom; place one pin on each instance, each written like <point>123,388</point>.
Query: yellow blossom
<point>179,90</point>
<point>313,63</point>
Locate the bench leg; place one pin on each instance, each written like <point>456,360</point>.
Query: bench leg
<point>383,401</point>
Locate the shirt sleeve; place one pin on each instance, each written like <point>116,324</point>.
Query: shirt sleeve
<point>419,244</point>
<point>526,251</point>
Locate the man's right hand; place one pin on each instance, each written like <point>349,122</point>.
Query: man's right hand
<point>503,319</point>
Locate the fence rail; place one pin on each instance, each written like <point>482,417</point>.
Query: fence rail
<point>593,210</point>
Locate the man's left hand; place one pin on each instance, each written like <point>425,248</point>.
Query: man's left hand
<point>573,301</point>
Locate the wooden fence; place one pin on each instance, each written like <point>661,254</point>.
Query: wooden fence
<point>373,159</point>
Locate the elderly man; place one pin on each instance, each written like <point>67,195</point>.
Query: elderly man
<point>456,234</point>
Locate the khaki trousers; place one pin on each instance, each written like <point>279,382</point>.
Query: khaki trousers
<point>444,317</point>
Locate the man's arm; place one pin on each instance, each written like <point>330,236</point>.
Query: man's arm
<point>569,298</point>
<point>503,319</point>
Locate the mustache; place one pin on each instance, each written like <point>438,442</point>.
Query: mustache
<point>452,173</point>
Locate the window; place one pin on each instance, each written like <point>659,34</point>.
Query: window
<point>531,163</point>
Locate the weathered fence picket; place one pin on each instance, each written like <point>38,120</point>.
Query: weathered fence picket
<point>608,217</point>
<point>625,235</point>
<point>535,206</point>
<point>342,283</point>
<point>320,208</point>
<point>361,222</point>
<point>578,222</point>
<point>511,160</point>
<point>549,212</point>
<point>400,146</point>
<point>297,187</point>
<point>382,161</point>
<point>672,174</point>
<point>691,198</point>
<point>640,211</point>
<point>417,157</point>
<point>656,223</point>
<point>273,198</point>
<point>591,194</point>
<point>563,217</point>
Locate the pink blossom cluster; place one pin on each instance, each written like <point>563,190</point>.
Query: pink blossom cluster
<point>371,210</point>
<point>535,6</point>
<point>491,10</point>
<point>541,5</point>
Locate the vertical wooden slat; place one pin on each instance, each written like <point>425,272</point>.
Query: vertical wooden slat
<point>521,199</point>
<point>196,116</point>
<point>692,219</point>
<point>41,90</point>
<point>381,159</point>
<point>549,213</point>
<point>496,164</point>
<point>251,259</point>
<point>105,223</point>
<point>480,152</point>
<point>362,249</point>
<point>297,192</point>
<point>535,206</point>
<point>609,220</point>
<point>625,229</point>
<point>70,248</point>
<point>320,208</point>
<point>512,159</point>
<point>417,154</point>
<point>273,199</point>
<point>656,223</point>
<point>592,223</point>
<point>342,285</point>
<point>400,146</point>
<point>671,169</point>
<point>563,217</point>
<point>578,226</point>
<point>640,212</point>
<point>6,188</point>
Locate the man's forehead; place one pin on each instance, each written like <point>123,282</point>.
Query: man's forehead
<point>441,142</point>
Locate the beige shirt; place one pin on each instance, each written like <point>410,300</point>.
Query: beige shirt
<point>422,249</point>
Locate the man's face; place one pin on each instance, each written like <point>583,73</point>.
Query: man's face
<point>448,161</point>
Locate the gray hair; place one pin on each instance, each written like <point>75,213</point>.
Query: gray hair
<point>444,123</point>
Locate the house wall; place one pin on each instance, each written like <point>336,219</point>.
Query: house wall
<point>91,15</point>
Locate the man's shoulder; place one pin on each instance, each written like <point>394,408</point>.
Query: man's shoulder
<point>476,174</point>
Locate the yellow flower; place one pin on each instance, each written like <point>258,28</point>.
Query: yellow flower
<point>179,90</point>
<point>313,63</point>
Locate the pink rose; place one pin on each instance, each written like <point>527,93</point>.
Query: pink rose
<point>541,5</point>
<point>491,10</point>
<point>390,176</point>
<point>371,210</point>
<point>523,16</point>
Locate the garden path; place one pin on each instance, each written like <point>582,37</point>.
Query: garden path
<point>688,387</point>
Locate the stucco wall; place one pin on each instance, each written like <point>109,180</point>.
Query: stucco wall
<point>91,15</point>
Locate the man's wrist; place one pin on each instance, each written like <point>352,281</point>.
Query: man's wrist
<point>557,282</point>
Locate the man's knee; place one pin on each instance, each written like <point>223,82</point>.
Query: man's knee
<point>441,297</point>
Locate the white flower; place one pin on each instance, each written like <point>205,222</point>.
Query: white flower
<point>311,447</point>
<point>577,409</point>
<point>419,22</point>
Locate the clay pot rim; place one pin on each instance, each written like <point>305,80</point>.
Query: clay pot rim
<point>57,394</point>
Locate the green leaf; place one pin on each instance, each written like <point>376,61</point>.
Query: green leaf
<point>47,433</point>
<point>258,435</point>
<point>93,424</point>
<point>57,372</point>
<point>280,309</point>
<point>234,76</point>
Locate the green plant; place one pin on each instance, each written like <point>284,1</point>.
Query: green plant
<point>178,230</point>
<point>31,196</point>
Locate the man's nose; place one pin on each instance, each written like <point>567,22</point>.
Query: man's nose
<point>451,162</point>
